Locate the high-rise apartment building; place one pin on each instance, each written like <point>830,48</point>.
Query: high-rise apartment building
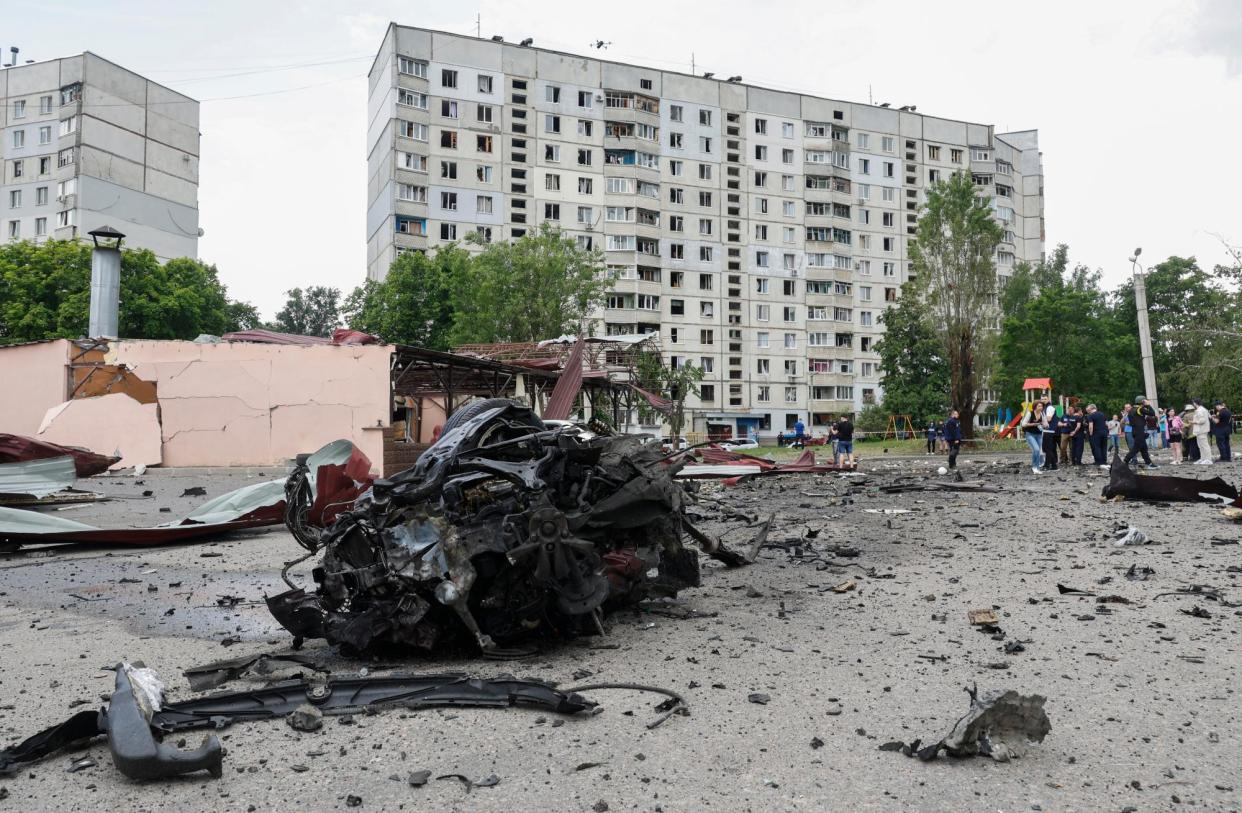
<point>762,233</point>
<point>87,143</point>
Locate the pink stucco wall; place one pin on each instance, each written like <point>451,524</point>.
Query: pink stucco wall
<point>34,380</point>
<point>234,404</point>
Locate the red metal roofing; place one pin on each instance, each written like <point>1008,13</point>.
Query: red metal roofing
<point>1037,384</point>
<point>561,402</point>
<point>340,336</point>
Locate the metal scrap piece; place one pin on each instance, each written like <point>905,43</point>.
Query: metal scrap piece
<point>1124,482</point>
<point>999,724</point>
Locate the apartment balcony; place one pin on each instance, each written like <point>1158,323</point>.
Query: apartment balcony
<point>408,208</point>
<point>839,172</point>
<point>631,142</point>
<point>632,115</point>
<point>634,285</point>
<point>636,171</point>
<point>649,230</point>
<point>403,240</point>
<point>412,82</point>
<point>984,167</point>
<point>818,194</point>
<point>831,405</point>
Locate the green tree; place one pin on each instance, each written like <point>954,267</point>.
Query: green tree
<point>45,294</point>
<point>1196,326</point>
<point>1029,279</point>
<point>673,383</point>
<point>313,312</point>
<point>1186,307</point>
<point>414,303</point>
<point>953,254</point>
<point>1069,331</point>
<point>912,362</point>
<point>872,418</point>
<point>537,287</point>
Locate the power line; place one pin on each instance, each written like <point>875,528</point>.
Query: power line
<point>273,69</point>
<point>90,106</point>
<point>257,65</point>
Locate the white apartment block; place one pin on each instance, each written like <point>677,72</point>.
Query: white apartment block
<point>87,143</point>
<point>761,233</point>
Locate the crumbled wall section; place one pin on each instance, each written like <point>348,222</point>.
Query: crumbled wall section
<point>249,404</point>
<point>113,424</point>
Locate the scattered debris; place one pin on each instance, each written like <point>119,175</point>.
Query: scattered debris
<point>998,725</point>
<point>759,697</point>
<point>1139,574</point>
<point>305,718</point>
<point>417,779</point>
<point>1072,591</point>
<point>37,478</point>
<point>1196,612</point>
<point>251,506</point>
<point>20,449</point>
<point>845,586</point>
<point>1130,536</point>
<point>271,666</point>
<point>984,616</point>
<point>194,491</point>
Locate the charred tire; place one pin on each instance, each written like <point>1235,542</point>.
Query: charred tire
<point>474,408</point>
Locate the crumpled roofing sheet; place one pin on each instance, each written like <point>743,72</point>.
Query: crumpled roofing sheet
<point>38,478</point>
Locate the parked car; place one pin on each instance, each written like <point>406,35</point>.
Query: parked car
<point>667,443</point>
<point>736,444</point>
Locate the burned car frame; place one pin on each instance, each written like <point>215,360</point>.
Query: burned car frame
<point>505,530</point>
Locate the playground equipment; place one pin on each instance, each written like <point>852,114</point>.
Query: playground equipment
<point>899,423</point>
<point>1032,390</point>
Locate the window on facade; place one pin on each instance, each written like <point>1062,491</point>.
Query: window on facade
<point>412,193</point>
<point>448,78</point>
<point>485,83</point>
<point>412,67</point>
<point>551,211</point>
<point>448,231</point>
<point>552,93</point>
<point>483,204</point>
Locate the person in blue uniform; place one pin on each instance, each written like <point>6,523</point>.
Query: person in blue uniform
<point>953,437</point>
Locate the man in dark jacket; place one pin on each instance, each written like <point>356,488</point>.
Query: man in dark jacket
<point>1222,427</point>
<point>953,437</point>
<point>1073,428</point>
<point>1097,434</point>
<point>1138,424</point>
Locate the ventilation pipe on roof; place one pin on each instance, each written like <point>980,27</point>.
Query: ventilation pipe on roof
<point>105,283</point>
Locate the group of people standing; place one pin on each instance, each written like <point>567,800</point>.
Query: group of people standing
<point>1054,437</point>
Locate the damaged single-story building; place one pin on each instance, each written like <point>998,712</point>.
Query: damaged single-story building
<point>259,398</point>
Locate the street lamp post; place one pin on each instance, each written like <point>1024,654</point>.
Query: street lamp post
<point>1140,304</point>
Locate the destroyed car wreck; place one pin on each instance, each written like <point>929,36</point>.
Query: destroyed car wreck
<point>506,530</point>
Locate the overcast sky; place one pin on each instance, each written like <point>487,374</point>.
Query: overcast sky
<point>1138,103</point>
